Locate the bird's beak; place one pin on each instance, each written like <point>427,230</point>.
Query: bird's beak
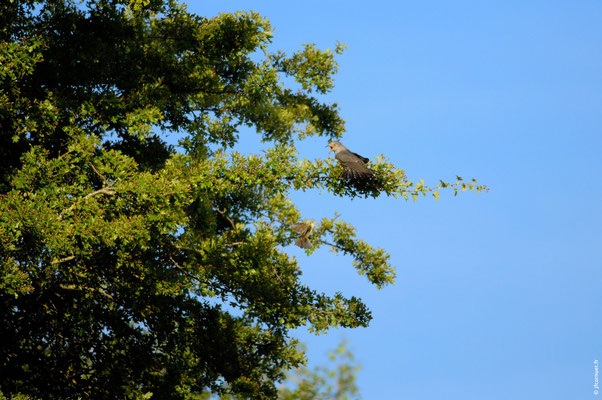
<point>331,148</point>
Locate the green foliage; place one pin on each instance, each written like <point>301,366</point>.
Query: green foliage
<point>131,269</point>
<point>16,397</point>
<point>336,382</point>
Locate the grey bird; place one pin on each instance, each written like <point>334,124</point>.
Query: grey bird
<point>305,230</point>
<point>354,165</point>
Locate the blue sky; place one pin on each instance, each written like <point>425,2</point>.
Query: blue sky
<point>498,295</point>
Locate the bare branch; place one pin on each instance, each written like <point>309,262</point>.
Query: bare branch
<point>276,273</point>
<point>99,174</point>
<point>334,245</point>
<point>105,190</point>
<point>61,260</point>
<point>225,216</point>
<point>109,191</point>
<point>184,271</point>
<point>188,249</point>
<point>88,289</point>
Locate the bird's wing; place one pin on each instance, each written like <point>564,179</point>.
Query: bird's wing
<point>353,162</point>
<point>299,227</point>
<point>364,159</point>
<point>347,157</point>
<point>349,173</point>
<point>303,242</point>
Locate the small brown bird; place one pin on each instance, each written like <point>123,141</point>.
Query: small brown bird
<point>354,165</point>
<point>305,230</point>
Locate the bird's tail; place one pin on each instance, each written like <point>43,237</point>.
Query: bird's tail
<point>303,242</point>
<point>349,173</point>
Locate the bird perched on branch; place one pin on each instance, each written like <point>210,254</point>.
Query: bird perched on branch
<point>354,165</point>
<point>305,230</point>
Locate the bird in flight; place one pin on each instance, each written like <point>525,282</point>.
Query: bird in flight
<point>305,230</point>
<point>354,165</point>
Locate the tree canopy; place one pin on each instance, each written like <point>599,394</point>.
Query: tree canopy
<point>131,267</point>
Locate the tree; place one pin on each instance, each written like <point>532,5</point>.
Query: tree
<point>133,268</point>
<point>336,381</point>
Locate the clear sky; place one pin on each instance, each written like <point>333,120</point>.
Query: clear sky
<point>498,295</point>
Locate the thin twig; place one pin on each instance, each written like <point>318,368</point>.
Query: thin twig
<point>276,273</point>
<point>99,174</point>
<point>188,249</point>
<point>105,190</point>
<point>61,260</point>
<point>185,272</point>
<point>225,216</point>
<point>334,245</point>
